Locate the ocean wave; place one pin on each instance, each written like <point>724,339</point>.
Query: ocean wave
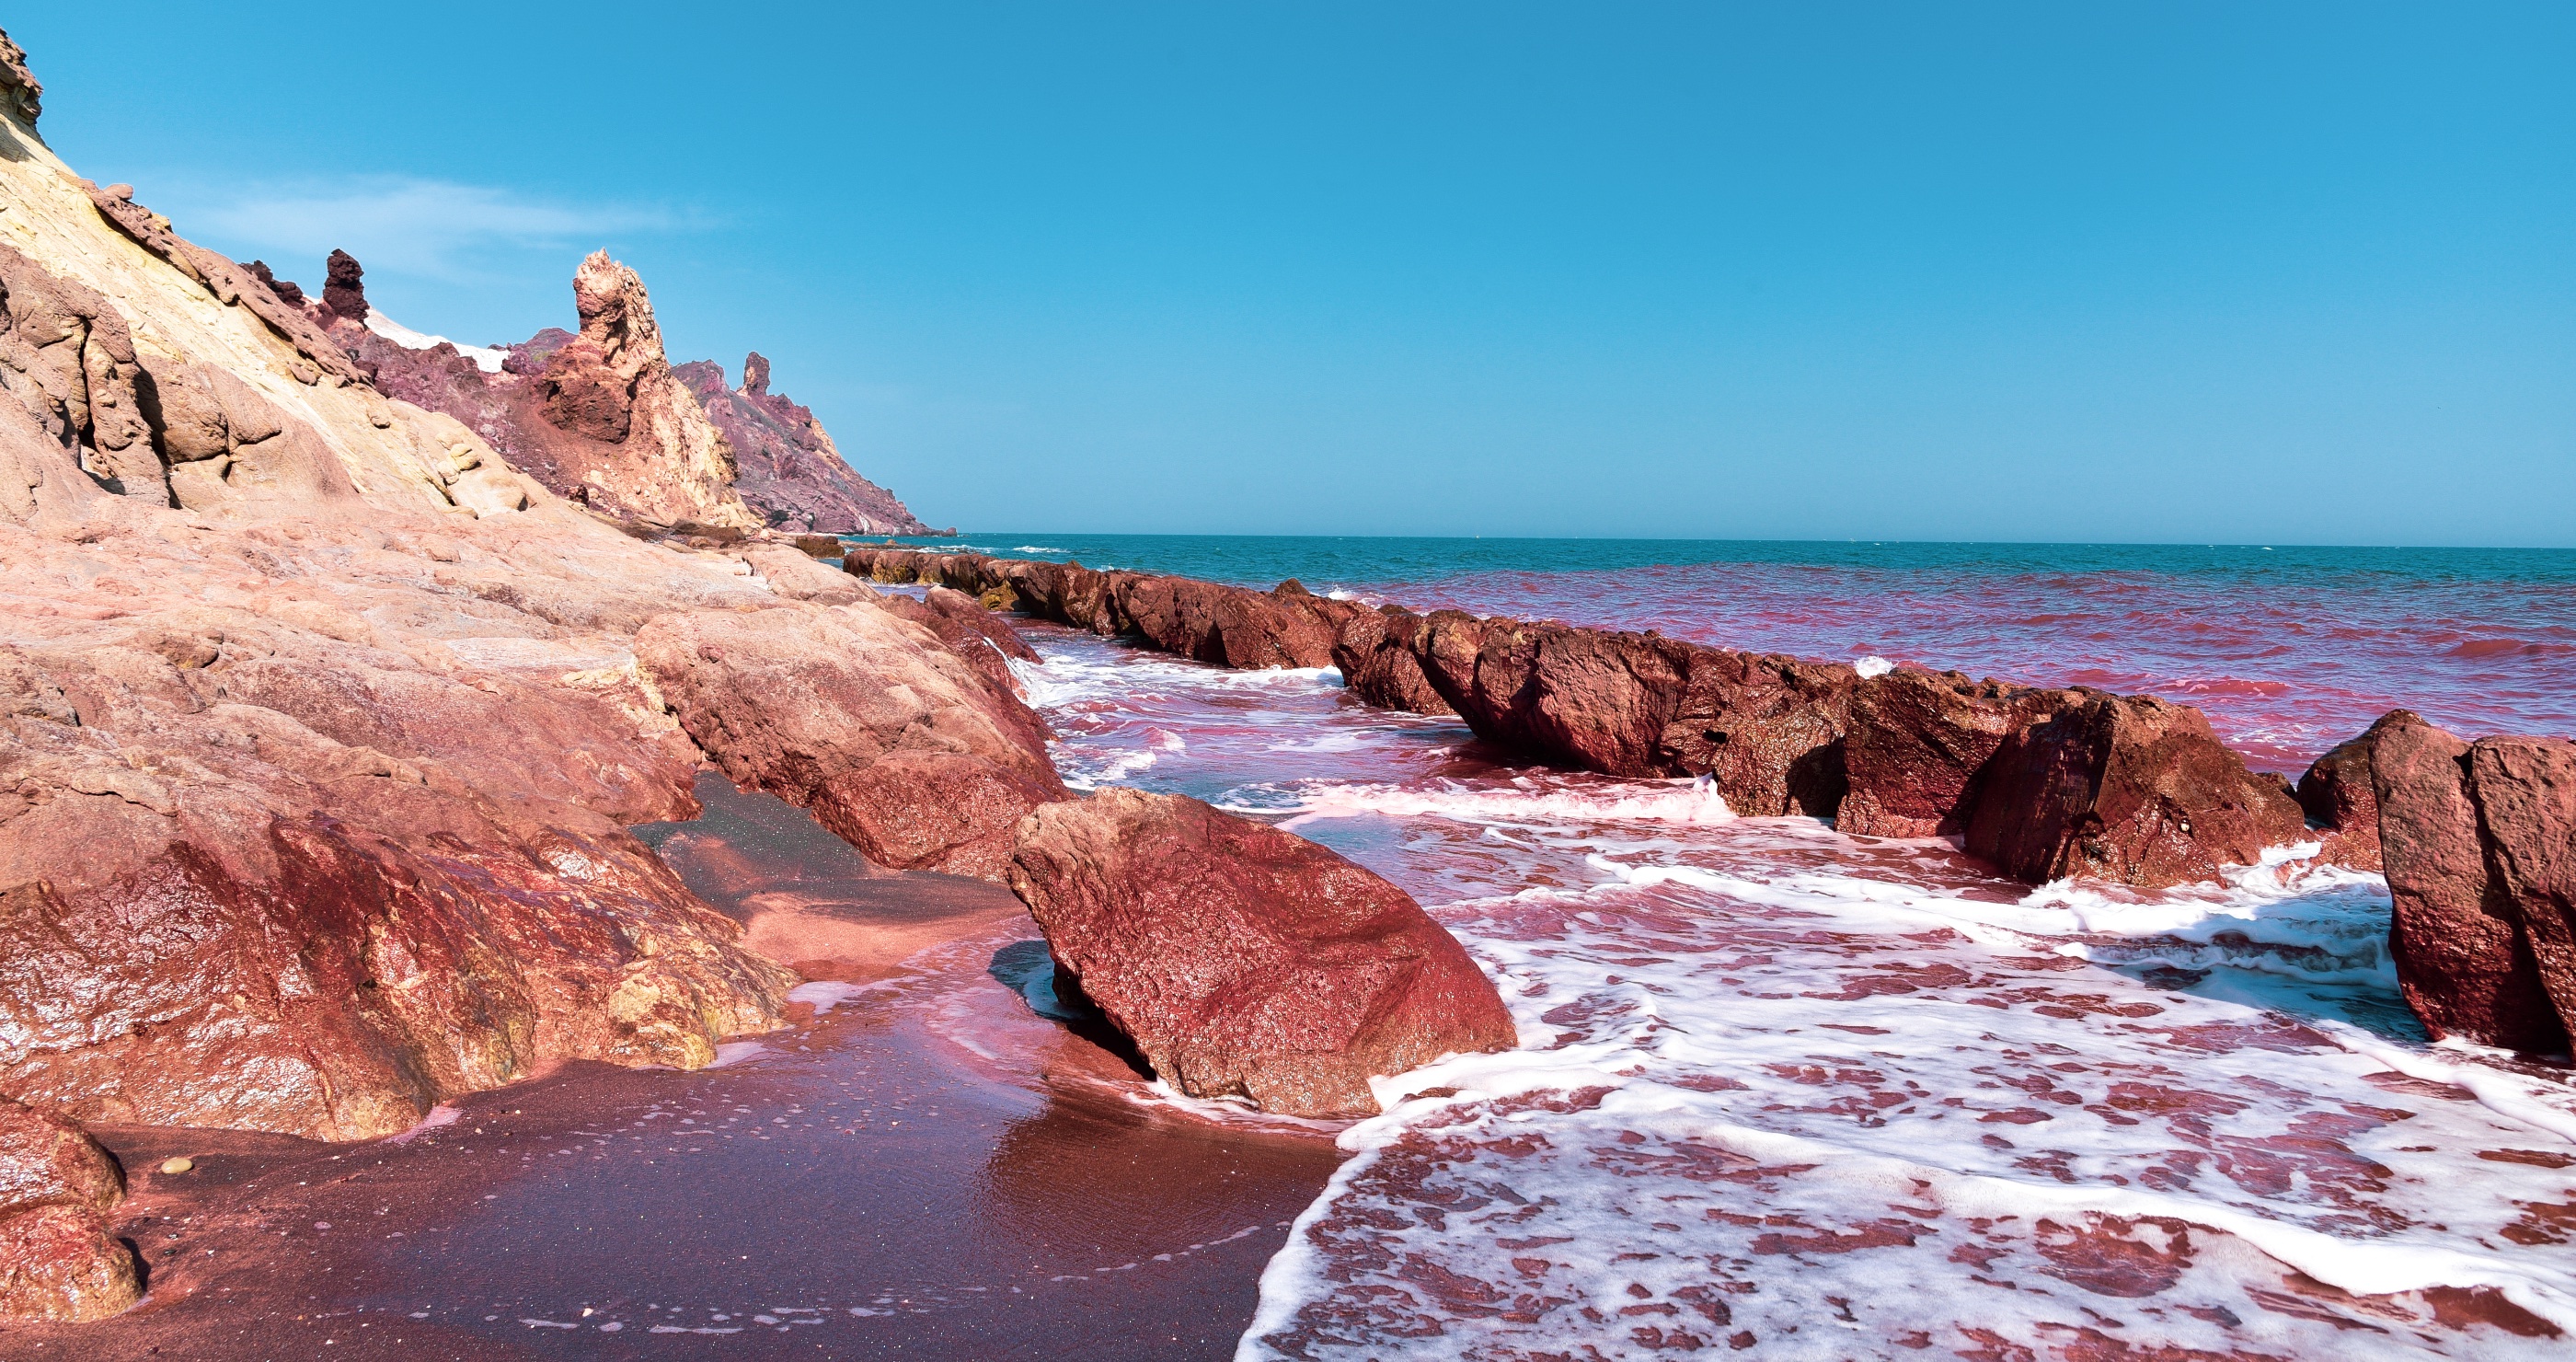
<point>1526,800</point>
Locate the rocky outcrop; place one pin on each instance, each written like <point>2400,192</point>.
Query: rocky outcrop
<point>604,418</point>
<point>977,635</point>
<point>60,1260</point>
<point>267,870</point>
<point>69,360</point>
<point>2336,794</point>
<point>318,748</point>
<point>2129,789</point>
<point>344,287</point>
<point>21,97</point>
<point>2479,841</point>
<point>1244,961</point>
<point>786,466</point>
<point>1378,654</point>
<point>2044,783</point>
<point>612,386</point>
<point>317,358</point>
<point>893,741</point>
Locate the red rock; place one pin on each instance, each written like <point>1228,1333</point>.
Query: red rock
<point>2479,842</point>
<point>1918,742</point>
<point>286,289</point>
<point>1232,626</point>
<point>895,743</point>
<point>1376,653</point>
<point>21,97</point>
<point>344,288</point>
<point>786,465</point>
<point>45,1160</point>
<point>62,1264</point>
<point>984,639</point>
<point>1766,728</point>
<point>60,1260</point>
<point>2129,789</point>
<point>2526,794</point>
<point>1246,961</point>
<point>2335,791</point>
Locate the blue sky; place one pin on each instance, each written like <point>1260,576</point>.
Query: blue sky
<point>2271,273</point>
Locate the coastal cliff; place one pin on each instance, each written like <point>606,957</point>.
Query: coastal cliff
<point>323,721</point>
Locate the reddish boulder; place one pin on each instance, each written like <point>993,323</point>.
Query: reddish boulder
<point>60,1261</point>
<point>1376,652</point>
<point>2129,789</point>
<point>1243,960</point>
<point>2526,795</point>
<point>1918,742</point>
<point>2335,791</point>
<point>1583,698</point>
<point>2480,848</point>
<point>1767,728</point>
<point>895,743</point>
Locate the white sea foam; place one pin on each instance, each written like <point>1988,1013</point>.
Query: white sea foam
<point>1800,1095</point>
<point>1873,665</point>
<point>1528,799</point>
<point>1798,1087</point>
<point>825,994</point>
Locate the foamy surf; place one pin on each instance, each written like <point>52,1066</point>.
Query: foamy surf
<point>1802,1095</point>
<point>1526,799</point>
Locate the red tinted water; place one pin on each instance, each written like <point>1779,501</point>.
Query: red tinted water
<point>2286,665</point>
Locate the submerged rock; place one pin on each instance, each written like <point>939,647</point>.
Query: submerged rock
<point>1244,961</point>
<point>2479,841</point>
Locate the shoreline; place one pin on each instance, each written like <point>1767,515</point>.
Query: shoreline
<point>925,1164</point>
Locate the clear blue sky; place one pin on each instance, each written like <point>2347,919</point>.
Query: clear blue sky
<point>2256,273</point>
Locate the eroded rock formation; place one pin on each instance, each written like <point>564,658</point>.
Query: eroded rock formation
<point>2479,840</point>
<point>786,466</point>
<point>1244,961</point>
<point>605,418</point>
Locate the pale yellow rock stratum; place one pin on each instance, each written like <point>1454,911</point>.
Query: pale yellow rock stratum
<point>395,455</point>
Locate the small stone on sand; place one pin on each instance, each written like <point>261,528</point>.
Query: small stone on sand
<point>178,1165</point>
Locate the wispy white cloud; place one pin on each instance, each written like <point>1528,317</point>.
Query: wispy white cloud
<point>433,229</point>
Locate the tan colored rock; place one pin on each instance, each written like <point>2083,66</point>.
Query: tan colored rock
<point>657,456</point>
<point>893,741</point>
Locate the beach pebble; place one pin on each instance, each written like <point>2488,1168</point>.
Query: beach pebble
<point>178,1165</point>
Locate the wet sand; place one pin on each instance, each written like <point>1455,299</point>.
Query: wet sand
<point>924,1167</point>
